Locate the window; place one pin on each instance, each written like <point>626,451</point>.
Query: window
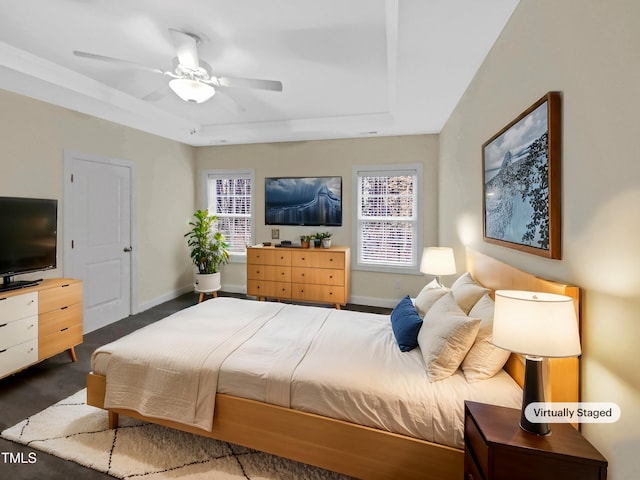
<point>230,198</point>
<point>389,226</point>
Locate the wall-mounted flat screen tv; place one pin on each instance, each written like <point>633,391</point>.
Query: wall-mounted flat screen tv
<point>303,201</point>
<point>28,235</point>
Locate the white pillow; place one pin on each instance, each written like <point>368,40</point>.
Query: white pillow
<point>484,359</point>
<point>429,295</point>
<point>445,337</point>
<point>467,292</point>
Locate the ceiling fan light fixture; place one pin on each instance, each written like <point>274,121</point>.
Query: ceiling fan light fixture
<point>192,90</point>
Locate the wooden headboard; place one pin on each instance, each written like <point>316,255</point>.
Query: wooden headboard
<point>562,374</point>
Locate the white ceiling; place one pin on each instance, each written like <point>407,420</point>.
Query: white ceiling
<point>349,68</point>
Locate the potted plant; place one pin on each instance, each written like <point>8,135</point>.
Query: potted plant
<point>326,239</point>
<point>208,251</point>
<point>305,241</point>
<point>317,239</point>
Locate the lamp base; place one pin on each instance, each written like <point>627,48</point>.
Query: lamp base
<point>533,391</point>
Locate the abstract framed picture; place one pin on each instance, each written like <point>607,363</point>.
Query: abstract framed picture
<point>521,194</point>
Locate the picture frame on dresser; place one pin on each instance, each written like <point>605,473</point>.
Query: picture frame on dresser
<point>521,181</point>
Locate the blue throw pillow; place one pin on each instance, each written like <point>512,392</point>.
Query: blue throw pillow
<point>406,324</point>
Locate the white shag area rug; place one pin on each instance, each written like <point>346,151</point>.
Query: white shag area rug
<point>74,431</point>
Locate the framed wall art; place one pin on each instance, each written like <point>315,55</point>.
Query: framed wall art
<point>521,165</point>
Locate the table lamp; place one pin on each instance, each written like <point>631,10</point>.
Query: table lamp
<point>536,325</point>
<point>438,261</point>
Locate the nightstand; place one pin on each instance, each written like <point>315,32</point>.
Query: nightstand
<point>496,448</point>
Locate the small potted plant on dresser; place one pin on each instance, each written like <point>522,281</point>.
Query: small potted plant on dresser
<point>326,239</point>
<point>305,241</point>
<point>317,239</point>
<point>208,251</point>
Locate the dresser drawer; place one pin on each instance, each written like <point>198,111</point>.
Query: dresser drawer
<point>18,306</point>
<point>268,272</point>
<point>55,321</point>
<point>318,259</point>
<point>263,288</point>
<point>318,293</point>
<point>18,357</point>
<point>57,297</point>
<point>322,276</point>
<point>18,331</point>
<point>264,256</point>
<point>54,343</point>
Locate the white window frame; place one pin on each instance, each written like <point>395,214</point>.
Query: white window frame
<point>209,199</point>
<point>417,218</point>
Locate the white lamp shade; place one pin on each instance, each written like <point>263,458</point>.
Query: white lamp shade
<point>191,90</point>
<point>533,323</point>
<point>438,261</point>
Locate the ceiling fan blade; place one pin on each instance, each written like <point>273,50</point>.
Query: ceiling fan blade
<point>102,58</point>
<point>186,47</point>
<point>255,83</point>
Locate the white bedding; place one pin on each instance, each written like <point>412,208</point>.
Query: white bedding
<point>335,363</point>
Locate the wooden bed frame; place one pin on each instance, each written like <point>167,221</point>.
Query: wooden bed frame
<point>357,450</point>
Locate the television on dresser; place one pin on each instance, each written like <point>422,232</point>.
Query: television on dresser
<point>28,238</point>
<point>313,201</point>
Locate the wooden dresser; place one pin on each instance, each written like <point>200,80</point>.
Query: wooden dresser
<point>39,322</point>
<point>315,275</point>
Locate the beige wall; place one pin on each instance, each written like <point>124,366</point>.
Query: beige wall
<point>332,157</point>
<point>590,51</point>
<point>33,137</point>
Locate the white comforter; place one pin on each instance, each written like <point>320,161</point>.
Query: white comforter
<point>336,363</point>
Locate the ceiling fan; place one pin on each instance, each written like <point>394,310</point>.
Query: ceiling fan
<point>192,79</point>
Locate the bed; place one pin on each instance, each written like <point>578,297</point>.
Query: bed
<point>254,407</point>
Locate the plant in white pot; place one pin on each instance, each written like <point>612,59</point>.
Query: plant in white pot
<point>326,239</point>
<point>208,251</point>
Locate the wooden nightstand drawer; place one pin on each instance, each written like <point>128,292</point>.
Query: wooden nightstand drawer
<point>498,449</point>
<point>471,470</point>
<point>477,445</point>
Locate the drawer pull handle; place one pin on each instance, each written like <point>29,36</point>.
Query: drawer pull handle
<point>65,285</point>
<point>65,328</point>
<point>30,350</point>
<point>4,325</point>
<point>64,308</point>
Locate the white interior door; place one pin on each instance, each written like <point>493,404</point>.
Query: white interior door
<point>97,209</point>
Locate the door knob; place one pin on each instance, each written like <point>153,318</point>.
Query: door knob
<point>128,249</point>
